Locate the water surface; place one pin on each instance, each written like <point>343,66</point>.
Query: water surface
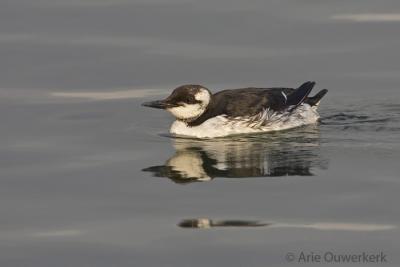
<point>88,177</point>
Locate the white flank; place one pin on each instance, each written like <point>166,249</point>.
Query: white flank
<point>266,121</point>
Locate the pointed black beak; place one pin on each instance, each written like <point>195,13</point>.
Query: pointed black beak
<point>161,104</point>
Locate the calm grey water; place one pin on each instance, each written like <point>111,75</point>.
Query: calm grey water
<point>88,177</point>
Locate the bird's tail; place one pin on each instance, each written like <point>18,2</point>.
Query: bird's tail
<point>299,95</point>
<point>314,100</point>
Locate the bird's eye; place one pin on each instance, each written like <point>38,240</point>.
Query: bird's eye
<point>191,100</point>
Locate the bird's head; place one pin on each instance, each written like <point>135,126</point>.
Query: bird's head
<point>187,102</point>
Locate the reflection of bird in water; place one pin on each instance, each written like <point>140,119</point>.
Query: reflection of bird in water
<point>205,223</point>
<point>272,155</point>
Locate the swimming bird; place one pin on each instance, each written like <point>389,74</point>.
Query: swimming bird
<point>201,114</point>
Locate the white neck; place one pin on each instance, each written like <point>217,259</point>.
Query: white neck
<point>187,112</point>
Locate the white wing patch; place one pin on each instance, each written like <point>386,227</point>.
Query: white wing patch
<point>284,95</point>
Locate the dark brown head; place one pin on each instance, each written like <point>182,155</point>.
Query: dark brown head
<point>187,102</point>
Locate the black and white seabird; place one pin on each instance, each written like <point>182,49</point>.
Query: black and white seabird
<point>201,114</point>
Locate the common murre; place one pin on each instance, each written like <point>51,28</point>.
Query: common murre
<point>201,114</point>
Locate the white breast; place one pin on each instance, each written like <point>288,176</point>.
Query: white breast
<point>266,121</point>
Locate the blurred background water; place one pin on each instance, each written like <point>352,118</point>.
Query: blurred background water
<point>88,177</point>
